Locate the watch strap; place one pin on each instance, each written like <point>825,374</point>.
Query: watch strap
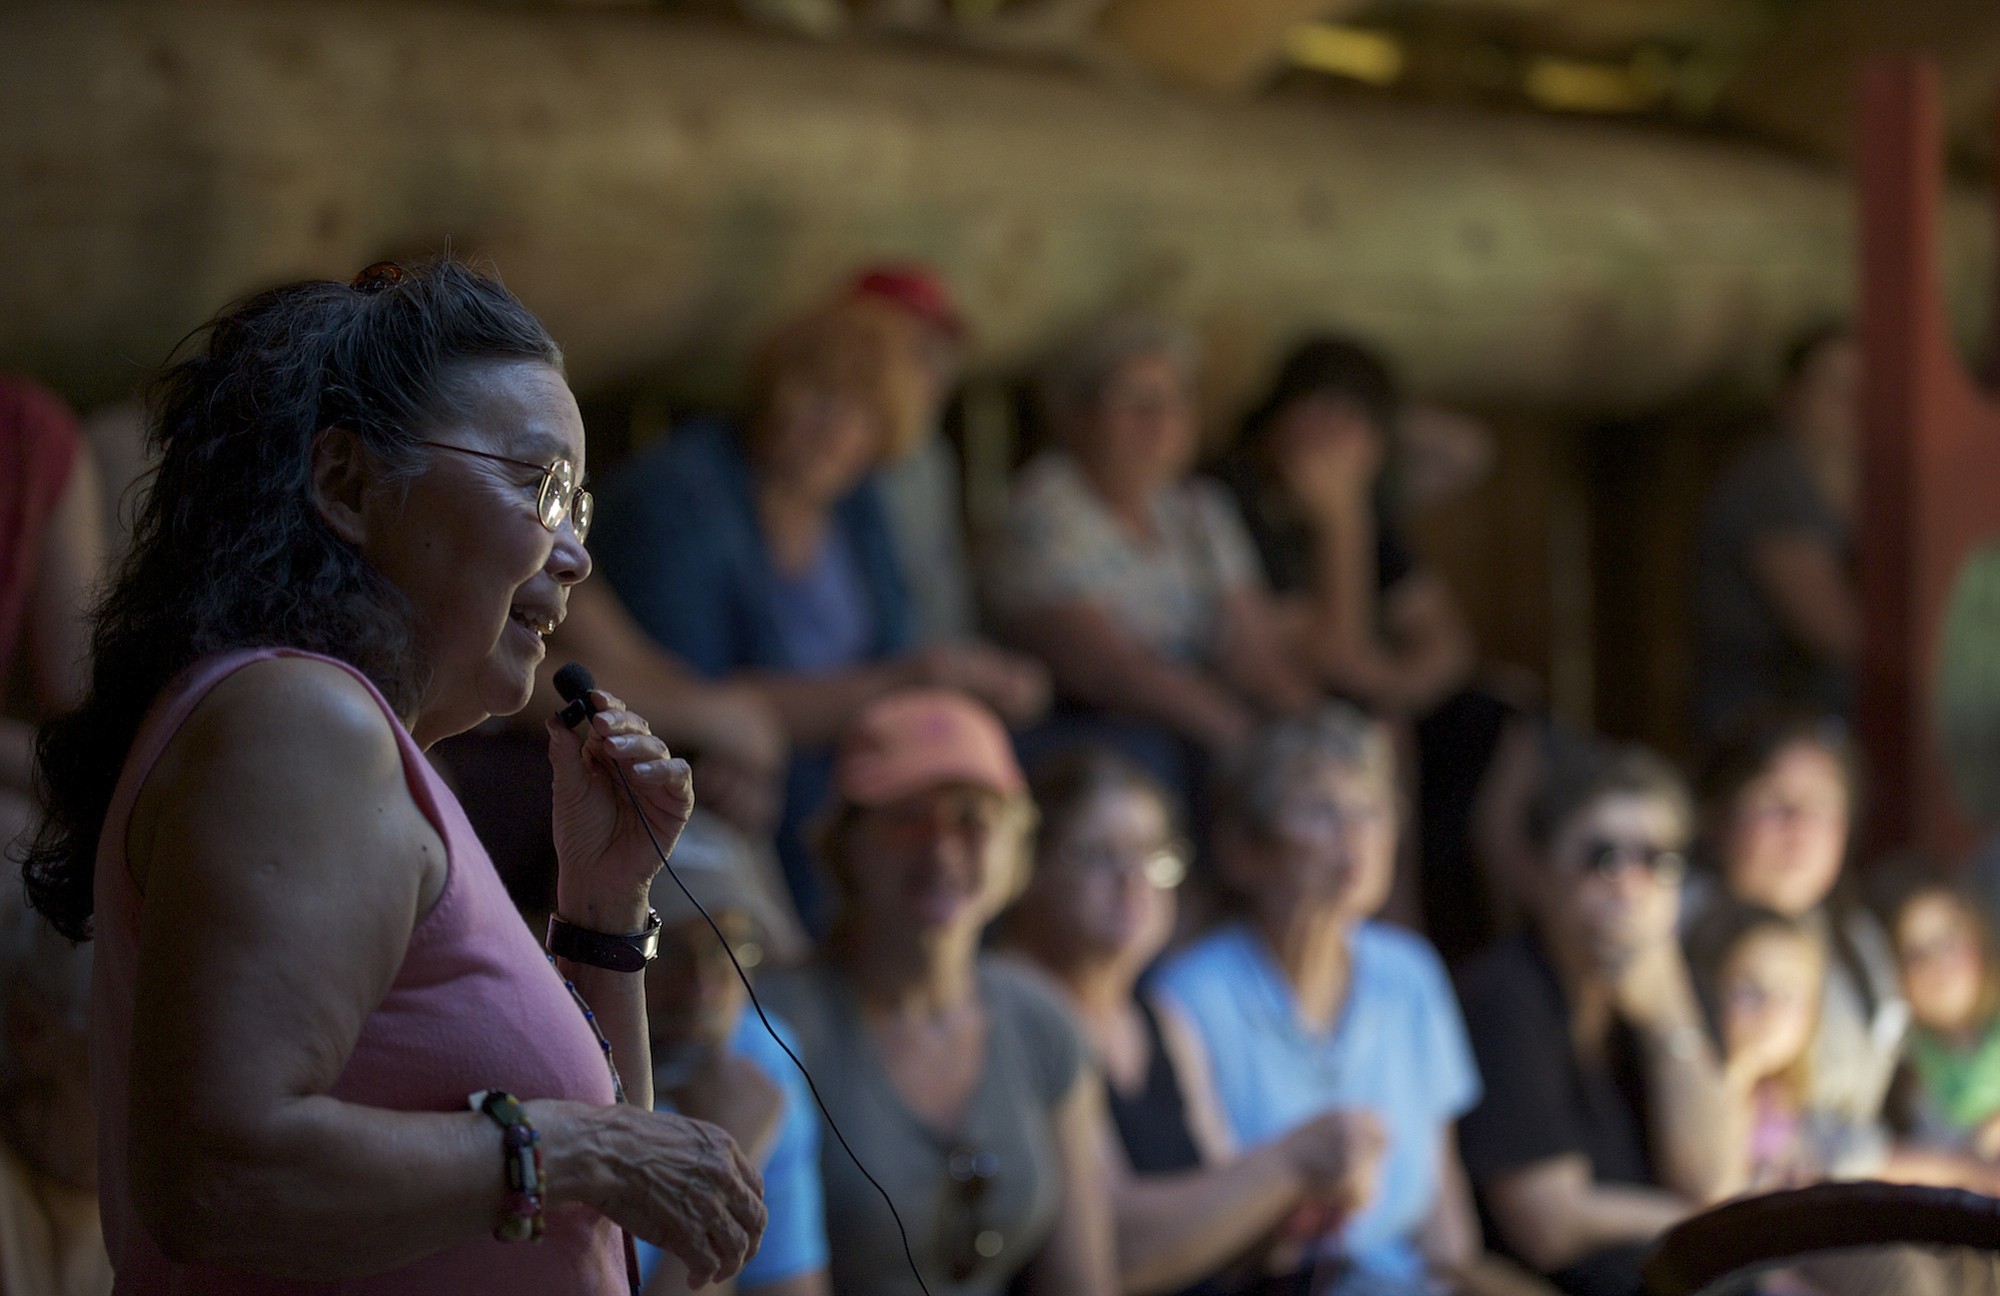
<point>615,953</point>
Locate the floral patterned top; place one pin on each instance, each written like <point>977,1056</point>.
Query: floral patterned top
<point>1061,544</point>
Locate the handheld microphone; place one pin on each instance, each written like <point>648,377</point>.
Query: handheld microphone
<point>574,682</point>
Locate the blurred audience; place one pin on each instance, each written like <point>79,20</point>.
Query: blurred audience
<point>1133,579</point>
<point>1945,950</point>
<point>1766,986</point>
<point>1308,475</point>
<point>51,558</point>
<point>1305,1007</point>
<point>921,484</point>
<point>1315,473</point>
<point>1097,911</point>
<point>762,553</point>
<point>51,1240</point>
<point>1777,613</point>
<point>1778,805</point>
<point>713,1061</point>
<point>963,1079</point>
<point>1605,1118</point>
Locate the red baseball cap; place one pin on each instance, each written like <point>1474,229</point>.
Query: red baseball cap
<point>917,289</point>
<point>916,740</point>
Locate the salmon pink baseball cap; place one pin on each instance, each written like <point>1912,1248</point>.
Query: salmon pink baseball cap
<point>916,740</point>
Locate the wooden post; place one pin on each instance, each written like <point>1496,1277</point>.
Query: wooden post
<point>1931,458</point>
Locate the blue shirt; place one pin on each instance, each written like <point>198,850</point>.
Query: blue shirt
<point>1398,1050</point>
<point>795,1239</point>
<point>677,536</point>
<point>825,614</point>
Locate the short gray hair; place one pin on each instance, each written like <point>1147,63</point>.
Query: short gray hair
<point>1080,372</point>
<point>1251,786</point>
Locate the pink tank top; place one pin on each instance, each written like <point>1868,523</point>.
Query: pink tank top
<point>474,1006</point>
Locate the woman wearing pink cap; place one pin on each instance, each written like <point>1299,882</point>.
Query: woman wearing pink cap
<point>960,1080</point>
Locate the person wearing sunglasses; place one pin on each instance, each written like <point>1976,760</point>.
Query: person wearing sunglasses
<point>1194,1212</point>
<point>324,1046</point>
<point>959,1078</point>
<point>1605,1118</point>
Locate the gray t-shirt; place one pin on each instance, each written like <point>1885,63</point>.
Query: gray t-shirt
<point>927,521</point>
<point>1034,1053</point>
<point>1743,654</point>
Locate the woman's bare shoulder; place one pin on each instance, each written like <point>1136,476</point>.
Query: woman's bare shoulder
<point>275,741</point>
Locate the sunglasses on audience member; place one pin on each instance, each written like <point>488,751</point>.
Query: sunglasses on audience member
<point>559,495</point>
<point>1607,859</point>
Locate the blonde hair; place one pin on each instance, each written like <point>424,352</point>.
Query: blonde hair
<point>861,350</point>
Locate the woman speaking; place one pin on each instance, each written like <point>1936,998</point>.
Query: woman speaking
<point>324,1045</point>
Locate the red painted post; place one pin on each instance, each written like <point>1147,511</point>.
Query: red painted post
<point>1930,458</point>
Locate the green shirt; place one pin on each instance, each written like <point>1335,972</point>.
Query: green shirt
<point>1963,1084</point>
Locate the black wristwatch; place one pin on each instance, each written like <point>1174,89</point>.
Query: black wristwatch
<point>616,953</point>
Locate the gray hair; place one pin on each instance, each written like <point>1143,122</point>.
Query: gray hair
<point>1079,374</point>
<point>1250,789</point>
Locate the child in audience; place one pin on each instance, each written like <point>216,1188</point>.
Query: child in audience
<point>1944,951</point>
<point>1766,988</point>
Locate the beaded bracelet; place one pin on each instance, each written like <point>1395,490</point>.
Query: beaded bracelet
<point>521,1152</point>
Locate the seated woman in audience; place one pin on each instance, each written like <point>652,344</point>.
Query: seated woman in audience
<point>716,1062</point>
<point>1307,474</point>
<point>1304,1006</point>
<point>51,553</point>
<point>1778,808</point>
<point>1777,606</point>
<point>1766,986</point>
<point>961,1081</point>
<point>1952,982</point>
<point>1599,1126</point>
<point>51,1238</point>
<point>761,553</point>
<point>1097,911</point>
<point>921,484</point>
<point>1311,474</point>
<point>1134,580</point>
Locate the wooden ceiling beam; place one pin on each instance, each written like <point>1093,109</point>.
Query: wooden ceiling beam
<point>1231,46</point>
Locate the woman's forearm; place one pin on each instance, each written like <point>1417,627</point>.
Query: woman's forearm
<point>1344,579</point>
<point>1080,1256</point>
<point>1174,1229</point>
<point>619,1001</point>
<point>815,708</point>
<point>327,1190</point>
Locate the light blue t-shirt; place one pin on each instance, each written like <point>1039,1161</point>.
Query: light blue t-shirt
<point>1398,1050</point>
<point>795,1238</point>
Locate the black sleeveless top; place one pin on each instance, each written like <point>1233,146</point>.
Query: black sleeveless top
<point>1153,1127</point>
<point>1153,1123</point>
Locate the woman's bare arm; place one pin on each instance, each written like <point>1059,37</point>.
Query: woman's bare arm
<point>284,866</point>
<point>1096,662</point>
<point>1080,1256</point>
<point>67,571</point>
<point>1255,657</point>
<point>1553,1214</point>
<point>1813,595</point>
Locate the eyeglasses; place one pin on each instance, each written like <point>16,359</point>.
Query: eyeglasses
<point>1326,816</point>
<point>971,1171</point>
<point>1606,859</point>
<point>1164,866</point>
<point>559,494</point>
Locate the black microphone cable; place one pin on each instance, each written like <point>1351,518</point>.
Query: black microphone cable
<point>574,682</point>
